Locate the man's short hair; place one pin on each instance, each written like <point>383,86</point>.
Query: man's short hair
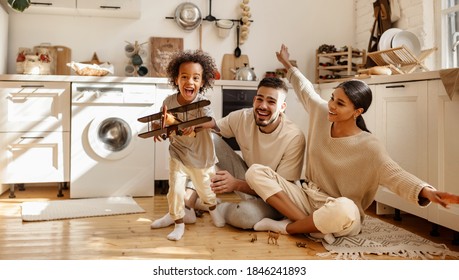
<point>275,83</point>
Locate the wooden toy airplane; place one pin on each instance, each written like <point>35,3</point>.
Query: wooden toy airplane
<point>169,121</point>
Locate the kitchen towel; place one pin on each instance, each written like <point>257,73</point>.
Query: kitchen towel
<point>450,79</point>
<point>78,208</point>
<point>381,238</point>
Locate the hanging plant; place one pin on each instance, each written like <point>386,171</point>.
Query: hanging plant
<point>19,5</point>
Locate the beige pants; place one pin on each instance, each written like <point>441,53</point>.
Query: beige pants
<point>338,216</point>
<point>179,174</point>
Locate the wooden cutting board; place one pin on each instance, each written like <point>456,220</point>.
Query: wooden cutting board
<point>161,51</point>
<point>230,61</point>
<point>64,56</point>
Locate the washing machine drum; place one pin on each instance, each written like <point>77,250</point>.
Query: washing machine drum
<point>111,137</point>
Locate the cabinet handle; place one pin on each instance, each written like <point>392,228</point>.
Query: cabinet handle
<point>32,137</point>
<point>396,86</point>
<point>110,7</point>
<point>32,86</point>
<point>41,3</point>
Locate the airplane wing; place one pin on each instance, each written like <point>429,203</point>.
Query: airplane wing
<point>165,132</point>
<point>150,118</point>
<point>189,107</point>
<point>180,109</point>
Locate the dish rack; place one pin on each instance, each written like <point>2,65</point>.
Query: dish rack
<point>401,60</point>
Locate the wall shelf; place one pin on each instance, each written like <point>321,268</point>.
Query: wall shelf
<point>340,65</point>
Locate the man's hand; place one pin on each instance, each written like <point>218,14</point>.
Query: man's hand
<point>442,198</point>
<point>223,182</point>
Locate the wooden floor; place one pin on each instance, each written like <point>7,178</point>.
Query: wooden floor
<point>130,237</point>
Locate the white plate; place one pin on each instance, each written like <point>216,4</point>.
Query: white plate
<point>386,38</point>
<point>409,40</point>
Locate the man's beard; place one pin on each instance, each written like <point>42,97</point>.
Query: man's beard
<point>263,123</point>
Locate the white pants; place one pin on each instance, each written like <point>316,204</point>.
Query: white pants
<point>338,216</point>
<point>179,174</point>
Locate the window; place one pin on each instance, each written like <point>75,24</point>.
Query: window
<point>450,33</point>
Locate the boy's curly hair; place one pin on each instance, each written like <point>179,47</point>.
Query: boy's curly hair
<point>197,56</point>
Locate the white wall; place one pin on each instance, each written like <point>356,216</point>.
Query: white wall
<point>301,24</point>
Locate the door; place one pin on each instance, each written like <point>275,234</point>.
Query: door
<point>443,151</point>
<point>402,127</point>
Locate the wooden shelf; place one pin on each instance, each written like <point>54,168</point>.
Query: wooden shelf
<point>352,60</point>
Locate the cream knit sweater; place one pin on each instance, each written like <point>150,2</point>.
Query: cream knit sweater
<point>354,166</point>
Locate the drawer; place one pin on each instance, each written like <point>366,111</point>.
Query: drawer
<point>30,106</point>
<point>34,157</point>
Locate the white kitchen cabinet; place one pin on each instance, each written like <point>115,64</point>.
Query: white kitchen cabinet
<point>35,129</point>
<point>402,127</point>
<point>97,8</point>
<point>35,157</point>
<point>443,164</point>
<point>109,8</point>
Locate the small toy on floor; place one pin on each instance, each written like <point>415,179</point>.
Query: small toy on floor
<point>254,237</point>
<point>272,237</point>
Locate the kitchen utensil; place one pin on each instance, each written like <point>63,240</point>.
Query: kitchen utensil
<point>64,56</point>
<point>161,50</point>
<point>237,51</point>
<point>245,73</point>
<point>231,62</point>
<point>188,16</point>
<point>224,26</point>
<point>136,60</point>
<point>129,50</point>
<point>210,17</point>
<point>142,71</point>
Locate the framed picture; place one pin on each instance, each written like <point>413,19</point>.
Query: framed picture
<point>161,51</point>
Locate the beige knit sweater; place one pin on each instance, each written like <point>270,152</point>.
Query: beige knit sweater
<point>354,166</point>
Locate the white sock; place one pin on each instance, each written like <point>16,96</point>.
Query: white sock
<point>217,218</point>
<point>177,233</point>
<point>166,220</point>
<point>267,224</point>
<point>190,216</point>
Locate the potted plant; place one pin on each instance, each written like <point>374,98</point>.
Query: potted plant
<point>19,5</point>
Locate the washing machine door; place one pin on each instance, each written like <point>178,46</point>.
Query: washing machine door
<point>111,137</point>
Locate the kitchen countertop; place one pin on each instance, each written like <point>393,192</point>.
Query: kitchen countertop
<point>374,79</point>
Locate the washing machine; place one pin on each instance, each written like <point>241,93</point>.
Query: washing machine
<point>107,157</point>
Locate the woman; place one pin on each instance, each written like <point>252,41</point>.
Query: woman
<point>345,166</point>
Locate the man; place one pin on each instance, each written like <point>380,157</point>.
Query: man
<point>265,136</point>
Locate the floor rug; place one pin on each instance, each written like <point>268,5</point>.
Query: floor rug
<point>381,238</point>
<point>78,208</point>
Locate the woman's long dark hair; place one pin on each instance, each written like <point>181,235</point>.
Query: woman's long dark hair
<point>360,95</point>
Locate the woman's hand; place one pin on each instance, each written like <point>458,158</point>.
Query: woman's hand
<point>283,57</point>
<point>442,198</point>
<point>223,182</point>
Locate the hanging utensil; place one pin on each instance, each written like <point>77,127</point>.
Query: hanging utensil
<point>188,16</point>
<point>210,17</point>
<point>237,51</point>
